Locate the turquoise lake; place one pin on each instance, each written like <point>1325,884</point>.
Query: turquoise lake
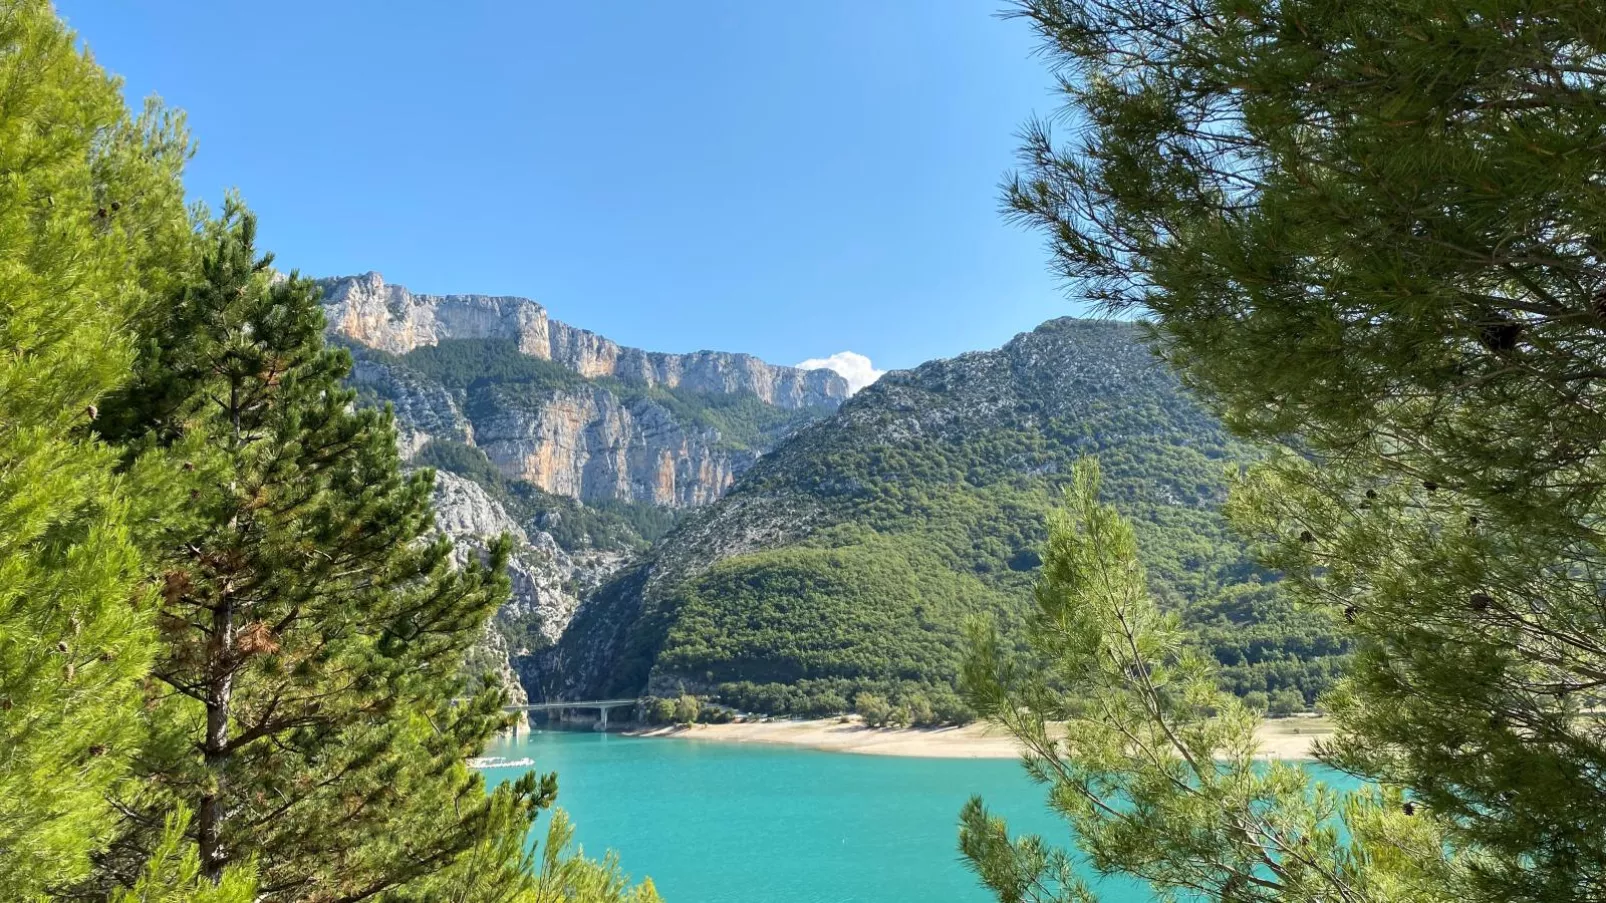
<point>730,823</point>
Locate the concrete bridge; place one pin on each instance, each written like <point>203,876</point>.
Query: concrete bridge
<point>601,705</point>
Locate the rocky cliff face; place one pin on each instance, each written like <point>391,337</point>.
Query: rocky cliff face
<point>424,410</point>
<point>585,442</point>
<point>540,430</point>
<point>607,423</point>
<point>388,317</point>
<point>547,582</point>
<point>590,444</point>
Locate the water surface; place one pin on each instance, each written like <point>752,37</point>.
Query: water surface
<point>745,823</point>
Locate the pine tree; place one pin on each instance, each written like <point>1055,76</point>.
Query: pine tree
<point>506,868</point>
<point>91,212</point>
<point>1153,765</point>
<point>567,876</point>
<point>313,628</point>
<point>172,874</point>
<point>1371,231</point>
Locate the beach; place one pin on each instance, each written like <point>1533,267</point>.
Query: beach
<point>1282,738</point>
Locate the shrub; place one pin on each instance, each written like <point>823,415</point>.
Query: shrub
<point>826,703</point>
<point>686,709</point>
<point>921,714</point>
<point>873,709</point>
<point>659,711</point>
<point>1286,702</point>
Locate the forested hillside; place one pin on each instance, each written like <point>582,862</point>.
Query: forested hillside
<point>849,559</point>
<point>591,452</point>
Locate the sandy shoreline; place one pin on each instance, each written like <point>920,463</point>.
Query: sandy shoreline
<point>1283,738</point>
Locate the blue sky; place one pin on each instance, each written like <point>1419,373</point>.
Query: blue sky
<point>786,179</point>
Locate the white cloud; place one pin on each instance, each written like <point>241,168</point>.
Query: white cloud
<point>850,365</point>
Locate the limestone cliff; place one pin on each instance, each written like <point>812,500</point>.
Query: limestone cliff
<point>585,441</point>
<point>547,582</point>
<point>589,444</point>
<point>388,317</point>
<point>424,410</point>
<point>581,450</point>
<point>563,409</point>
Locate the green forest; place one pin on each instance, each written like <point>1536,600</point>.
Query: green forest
<point>927,499</point>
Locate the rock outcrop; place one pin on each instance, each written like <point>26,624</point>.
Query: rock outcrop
<point>590,444</point>
<point>368,310</point>
<point>424,410</point>
<point>547,582</point>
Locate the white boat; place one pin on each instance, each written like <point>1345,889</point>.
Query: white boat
<point>498,762</point>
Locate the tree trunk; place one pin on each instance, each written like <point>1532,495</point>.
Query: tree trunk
<point>220,689</point>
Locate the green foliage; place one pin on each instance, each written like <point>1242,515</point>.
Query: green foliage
<point>173,873</point>
<point>496,864</point>
<point>915,710</point>
<point>873,709</point>
<point>464,460</point>
<point>303,701</point>
<point>921,504</point>
<point>608,524</point>
<point>1371,231</point>
<point>659,710</point>
<point>793,614</point>
<point>1285,702</point>
<point>918,712</point>
<point>566,876</point>
<point>687,708</point>
<point>462,365</point>
<point>1262,644</point>
<point>92,226</point>
<point>1152,765</point>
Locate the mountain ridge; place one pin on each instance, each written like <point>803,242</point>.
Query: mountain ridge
<point>581,449</point>
<point>388,317</point>
<point>847,559</point>
<point>564,409</point>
